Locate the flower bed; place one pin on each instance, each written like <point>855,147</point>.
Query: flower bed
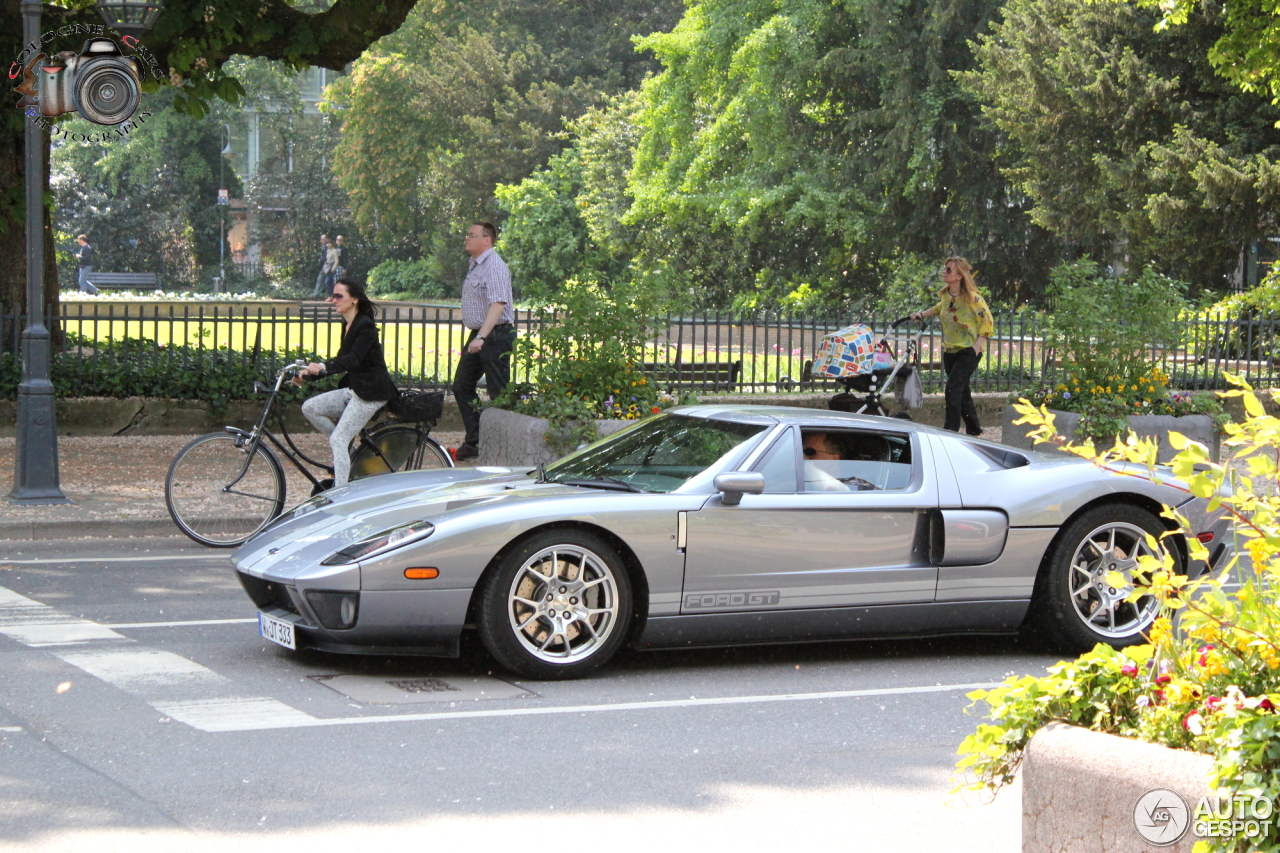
<point>1211,686</point>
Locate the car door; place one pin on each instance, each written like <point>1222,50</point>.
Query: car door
<point>804,543</point>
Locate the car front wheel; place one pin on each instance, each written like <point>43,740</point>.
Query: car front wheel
<point>557,606</point>
<point>1075,605</point>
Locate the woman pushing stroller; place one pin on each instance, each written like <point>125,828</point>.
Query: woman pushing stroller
<point>966,325</point>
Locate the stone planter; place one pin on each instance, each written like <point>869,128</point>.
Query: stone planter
<point>1195,427</point>
<point>1080,790</point>
<point>511,439</point>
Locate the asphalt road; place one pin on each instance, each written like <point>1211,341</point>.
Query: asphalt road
<point>140,710</point>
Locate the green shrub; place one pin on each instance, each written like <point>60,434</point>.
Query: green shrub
<point>587,361</point>
<point>415,279</point>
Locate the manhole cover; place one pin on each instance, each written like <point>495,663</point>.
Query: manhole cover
<point>402,690</point>
<point>424,685</point>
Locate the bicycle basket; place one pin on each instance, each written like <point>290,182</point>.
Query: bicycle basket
<point>417,406</point>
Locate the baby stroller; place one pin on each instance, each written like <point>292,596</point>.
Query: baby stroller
<point>856,360</point>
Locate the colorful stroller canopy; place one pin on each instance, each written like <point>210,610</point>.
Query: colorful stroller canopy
<point>850,351</point>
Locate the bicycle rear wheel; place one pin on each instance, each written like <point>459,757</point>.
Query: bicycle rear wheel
<point>220,496</point>
<point>405,447</point>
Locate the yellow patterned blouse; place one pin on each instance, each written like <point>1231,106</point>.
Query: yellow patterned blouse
<point>962,323</point>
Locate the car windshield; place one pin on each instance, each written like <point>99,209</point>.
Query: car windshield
<point>658,455</point>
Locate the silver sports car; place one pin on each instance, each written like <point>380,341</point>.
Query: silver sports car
<point>719,525</point>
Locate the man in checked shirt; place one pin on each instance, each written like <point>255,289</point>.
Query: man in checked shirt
<point>487,312</point>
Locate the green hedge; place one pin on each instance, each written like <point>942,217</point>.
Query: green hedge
<point>140,368</point>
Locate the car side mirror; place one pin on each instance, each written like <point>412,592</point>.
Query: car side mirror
<point>734,485</point>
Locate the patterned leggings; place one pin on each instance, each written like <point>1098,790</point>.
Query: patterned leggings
<point>353,414</point>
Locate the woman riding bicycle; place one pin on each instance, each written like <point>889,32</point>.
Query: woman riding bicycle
<point>366,385</point>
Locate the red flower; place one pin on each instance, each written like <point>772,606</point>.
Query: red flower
<point>1266,705</point>
<point>1129,669</point>
<point>1212,704</point>
<point>656,410</point>
<point>1163,679</point>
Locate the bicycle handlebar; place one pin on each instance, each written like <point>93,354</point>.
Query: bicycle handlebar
<point>898,322</point>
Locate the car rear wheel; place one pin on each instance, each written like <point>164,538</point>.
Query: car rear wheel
<point>557,606</point>
<point>1074,605</point>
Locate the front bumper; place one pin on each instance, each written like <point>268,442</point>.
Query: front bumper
<point>399,622</point>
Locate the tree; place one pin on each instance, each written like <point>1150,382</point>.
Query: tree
<point>193,39</point>
<point>564,221</point>
<point>1246,51</point>
<point>147,203</point>
<point>813,143</point>
<point>462,99</point>
<point>1129,145</point>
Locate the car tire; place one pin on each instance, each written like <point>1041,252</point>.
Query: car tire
<point>1073,607</point>
<point>567,629</point>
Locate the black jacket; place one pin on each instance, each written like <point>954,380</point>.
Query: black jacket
<point>360,358</point>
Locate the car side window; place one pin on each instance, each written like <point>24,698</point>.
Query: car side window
<point>779,466</point>
<point>838,460</point>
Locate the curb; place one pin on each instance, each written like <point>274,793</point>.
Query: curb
<point>107,528</point>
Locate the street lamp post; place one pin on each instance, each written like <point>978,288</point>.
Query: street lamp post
<point>35,464</point>
<point>223,200</point>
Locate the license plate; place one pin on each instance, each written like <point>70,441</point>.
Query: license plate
<point>277,631</point>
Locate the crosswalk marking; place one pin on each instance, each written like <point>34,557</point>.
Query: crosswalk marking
<point>164,680</point>
<point>236,714</point>
<point>140,669</point>
<point>60,634</point>
<point>160,678</point>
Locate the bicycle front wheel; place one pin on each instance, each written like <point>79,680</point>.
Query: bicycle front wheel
<point>399,448</point>
<point>218,494</point>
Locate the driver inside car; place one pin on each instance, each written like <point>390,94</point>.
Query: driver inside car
<point>824,453</point>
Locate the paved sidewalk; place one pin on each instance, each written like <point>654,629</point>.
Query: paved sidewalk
<point>116,485</point>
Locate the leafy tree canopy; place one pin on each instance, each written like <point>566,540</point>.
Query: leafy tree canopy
<point>463,98</point>
<point>1129,145</point>
<point>1247,50</point>
<point>812,143</point>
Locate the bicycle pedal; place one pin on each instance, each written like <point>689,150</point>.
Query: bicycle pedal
<point>453,454</point>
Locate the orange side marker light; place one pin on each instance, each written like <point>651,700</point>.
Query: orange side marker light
<point>421,574</point>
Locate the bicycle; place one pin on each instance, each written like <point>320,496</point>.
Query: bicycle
<point>224,487</point>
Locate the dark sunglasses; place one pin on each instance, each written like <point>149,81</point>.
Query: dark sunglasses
<point>813,451</point>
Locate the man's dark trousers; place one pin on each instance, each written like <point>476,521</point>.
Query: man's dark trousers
<point>493,362</point>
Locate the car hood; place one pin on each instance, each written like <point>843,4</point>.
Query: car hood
<point>299,544</point>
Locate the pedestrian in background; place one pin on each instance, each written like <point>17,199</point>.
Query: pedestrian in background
<point>342,258</point>
<point>330,268</point>
<point>84,259</point>
<point>966,325</point>
<point>320,290</point>
<point>487,312</point>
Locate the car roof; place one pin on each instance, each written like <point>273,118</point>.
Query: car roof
<point>802,415</point>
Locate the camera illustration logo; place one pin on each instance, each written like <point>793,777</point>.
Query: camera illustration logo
<point>100,83</point>
<point>1161,817</point>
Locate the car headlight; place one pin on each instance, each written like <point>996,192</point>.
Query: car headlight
<point>387,540</point>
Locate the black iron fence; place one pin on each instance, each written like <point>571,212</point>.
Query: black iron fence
<point>423,342</point>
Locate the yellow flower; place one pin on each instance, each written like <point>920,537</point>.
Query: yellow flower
<point>1160,630</point>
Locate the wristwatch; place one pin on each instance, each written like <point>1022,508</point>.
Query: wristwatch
<point>478,338</point>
